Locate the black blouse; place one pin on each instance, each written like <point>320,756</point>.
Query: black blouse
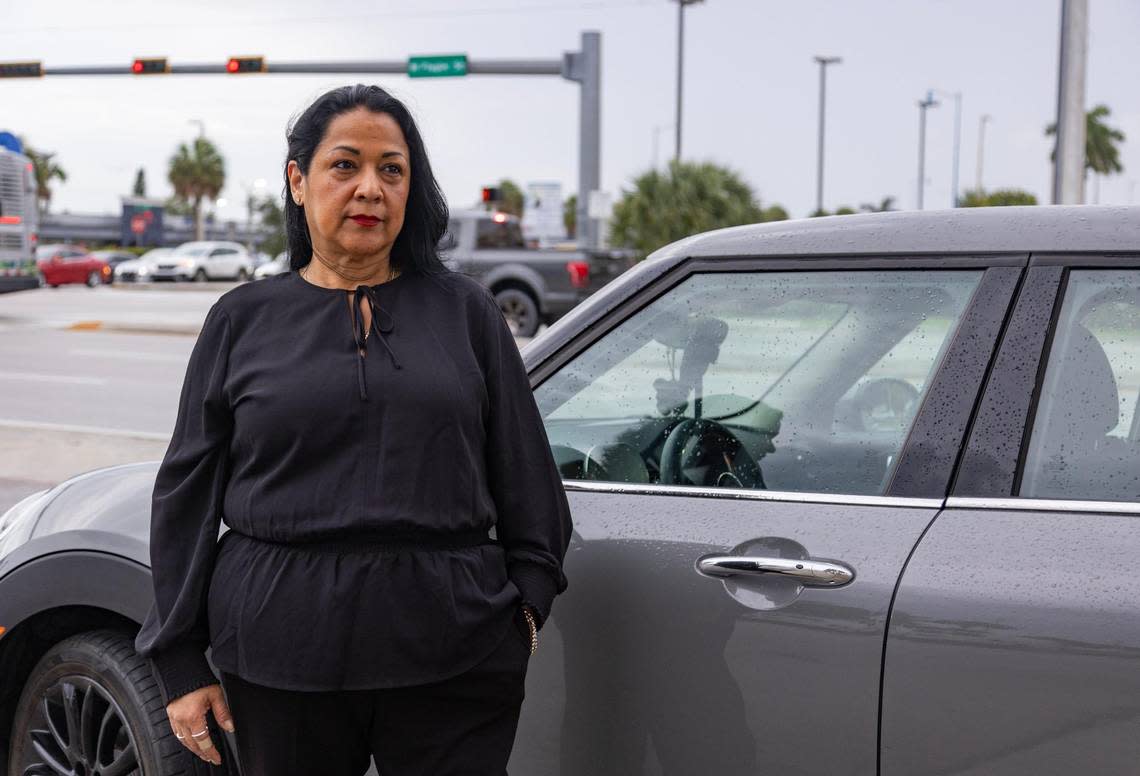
<point>389,505</point>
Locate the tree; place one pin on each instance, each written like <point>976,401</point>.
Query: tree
<point>272,216</point>
<point>570,215</point>
<point>139,189</point>
<point>1102,152</point>
<point>687,198</point>
<point>886,204</point>
<point>45,170</point>
<point>997,198</point>
<point>197,173</point>
<point>774,213</point>
<point>511,198</point>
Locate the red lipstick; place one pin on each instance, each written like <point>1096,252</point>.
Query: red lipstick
<point>366,220</point>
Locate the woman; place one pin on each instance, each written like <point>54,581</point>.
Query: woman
<point>359,423</point>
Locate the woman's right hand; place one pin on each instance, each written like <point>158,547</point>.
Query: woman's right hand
<point>187,714</point>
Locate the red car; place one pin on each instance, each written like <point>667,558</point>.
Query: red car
<point>59,264</point>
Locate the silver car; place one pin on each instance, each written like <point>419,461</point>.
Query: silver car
<point>854,495</point>
<point>205,260</point>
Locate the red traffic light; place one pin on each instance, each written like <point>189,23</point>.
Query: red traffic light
<point>149,66</point>
<point>245,65</point>
<point>491,194</point>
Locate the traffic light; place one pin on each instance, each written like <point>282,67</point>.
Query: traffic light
<point>21,69</point>
<point>150,66</point>
<point>492,194</point>
<point>246,65</point>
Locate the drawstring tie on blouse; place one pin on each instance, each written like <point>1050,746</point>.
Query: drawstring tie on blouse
<point>358,333</point>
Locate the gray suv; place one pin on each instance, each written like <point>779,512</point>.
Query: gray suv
<point>855,495</point>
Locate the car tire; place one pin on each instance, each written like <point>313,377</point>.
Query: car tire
<point>242,275</point>
<point>99,672</point>
<point>200,276</point>
<point>520,310</point>
<point>93,279</point>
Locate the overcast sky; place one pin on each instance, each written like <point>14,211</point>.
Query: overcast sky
<point>751,90</point>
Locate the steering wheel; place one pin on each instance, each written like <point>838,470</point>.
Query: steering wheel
<point>712,453</point>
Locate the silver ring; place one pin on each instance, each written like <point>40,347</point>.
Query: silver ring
<point>201,733</point>
<point>179,737</point>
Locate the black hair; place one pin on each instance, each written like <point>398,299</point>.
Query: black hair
<point>425,214</point>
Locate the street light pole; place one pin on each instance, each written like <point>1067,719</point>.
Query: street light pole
<point>823,63</point>
<point>981,150</point>
<point>680,67</point>
<point>929,102</point>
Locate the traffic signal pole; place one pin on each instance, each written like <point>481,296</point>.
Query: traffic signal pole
<point>582,67</point>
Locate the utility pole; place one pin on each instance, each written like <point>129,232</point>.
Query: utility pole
<point>823,63</point>
<point>986,118</point>
<point>929,102</point>
<point>1069,158</point>
<point>680,67</point>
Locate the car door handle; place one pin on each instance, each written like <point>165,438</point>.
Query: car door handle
<point>809,573</point>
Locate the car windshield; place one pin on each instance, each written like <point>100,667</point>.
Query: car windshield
<point>157,253</point>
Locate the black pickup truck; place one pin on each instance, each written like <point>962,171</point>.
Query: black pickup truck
<point>533,286</point>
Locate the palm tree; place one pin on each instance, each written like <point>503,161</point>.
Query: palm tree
<point>45,170</point>
<point>197,173</point>
<point>1102,151</point>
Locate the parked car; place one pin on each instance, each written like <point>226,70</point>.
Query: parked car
<point>141,269</point>
<point>279,264</point>
<point>63,263</point>
<point>205,260</point>
<point>533,286</point>
<point>113,259</point>
<point>851,495</point>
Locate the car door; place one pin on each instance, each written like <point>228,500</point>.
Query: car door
<point>1014,643</point>
<point>218,263</point>
<point>75,262</point>
<point>751,449</point>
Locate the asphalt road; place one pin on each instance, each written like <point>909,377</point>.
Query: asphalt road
<point>91,377</point>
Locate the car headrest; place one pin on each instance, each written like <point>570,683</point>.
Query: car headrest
<point>1087,402</point>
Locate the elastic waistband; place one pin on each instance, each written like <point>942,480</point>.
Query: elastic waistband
<point>372,542</point>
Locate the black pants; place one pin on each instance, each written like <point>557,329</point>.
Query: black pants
<point>464,725</point>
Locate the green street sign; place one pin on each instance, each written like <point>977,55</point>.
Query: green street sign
<point>437,67</point>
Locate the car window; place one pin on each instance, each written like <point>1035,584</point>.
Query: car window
<point>192,251</point>
<point>1085,441</point>
<point>802,381</point>
<point>494,233</point>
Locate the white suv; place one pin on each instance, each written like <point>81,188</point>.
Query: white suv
<point>205,260</point>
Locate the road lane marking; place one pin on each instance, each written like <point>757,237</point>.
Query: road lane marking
<point>67,427</point>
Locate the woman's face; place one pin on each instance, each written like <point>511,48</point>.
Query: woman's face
<point>361,168</point>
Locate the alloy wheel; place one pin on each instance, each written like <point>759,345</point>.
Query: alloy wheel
<point>78,729</point>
